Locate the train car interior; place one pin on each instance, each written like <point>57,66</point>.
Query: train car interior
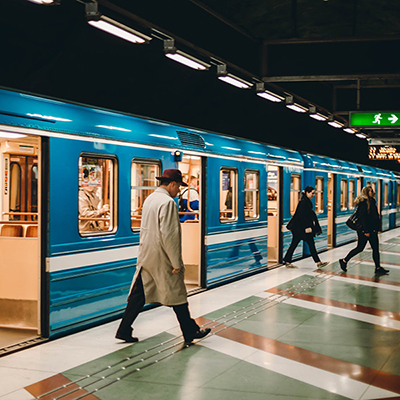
<point>189,203</point>
<point>19,238</point>
<point>273,181</point>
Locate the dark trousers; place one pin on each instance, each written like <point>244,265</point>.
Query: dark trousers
<point>135,304</point>
<point>362,241</point>
<point>306,237</point>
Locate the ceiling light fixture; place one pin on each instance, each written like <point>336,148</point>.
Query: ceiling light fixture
<point>312,112</point>
<point>350,130</point>
<point>100,21</point>
<point>234,80</point>
<point>361,135</point>
<point>46,2</point>
<point>294,106</point>
<point>266,94</point>
<point>334,123</point>
<point>181,57</point>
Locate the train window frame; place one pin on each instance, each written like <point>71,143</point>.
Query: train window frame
<point>224,217</point>
<point>256,191</point>
<point>319,195</point>
<point>385,194</point>
<point>295,194</point>
<point>352,193</point>
<point>149,162</point>
<point>113,193</point>
<point>18,200</point>
<point>343,194</point>
<point>398,195</point>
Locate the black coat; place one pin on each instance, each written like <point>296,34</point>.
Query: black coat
<point>304,218</point>
<point>369,219</point>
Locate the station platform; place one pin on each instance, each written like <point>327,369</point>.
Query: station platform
<point>283,334</point>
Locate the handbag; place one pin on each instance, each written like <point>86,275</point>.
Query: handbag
<point>354,221</point>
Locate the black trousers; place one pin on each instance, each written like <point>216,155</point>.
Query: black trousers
<point>362,241</point>
<point>135,304</point>
<point>306,237</point>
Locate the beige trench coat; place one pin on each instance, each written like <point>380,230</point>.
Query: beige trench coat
<point>160,251</point>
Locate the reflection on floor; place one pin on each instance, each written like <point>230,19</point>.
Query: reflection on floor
<point>283,334</point>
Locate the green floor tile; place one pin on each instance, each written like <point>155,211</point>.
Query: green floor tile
<point>234,307</point>
<point>248,378</point>
<point>392,365</point>
<point>193,366</point>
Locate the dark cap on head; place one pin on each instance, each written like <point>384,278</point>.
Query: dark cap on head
<point>174,175</point>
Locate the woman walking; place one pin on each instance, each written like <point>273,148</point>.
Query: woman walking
<point>304,226</point>
<point>370,224</point>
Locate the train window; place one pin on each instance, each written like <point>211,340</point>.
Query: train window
<point>15,190</point>
<point>143,184</point>
<point>319,195</point>
<point>376,194</point>
<point>386,194</point>
<point>96,195</point>
<point>295,191</point>
<point>228,195</point>
<point>251,195</point>
<point>343,194</point>
<point>352,193</point>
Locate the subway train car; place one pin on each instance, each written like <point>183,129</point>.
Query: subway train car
<point>74,179</point>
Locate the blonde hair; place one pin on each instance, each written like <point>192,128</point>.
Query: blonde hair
<point>364,196</point>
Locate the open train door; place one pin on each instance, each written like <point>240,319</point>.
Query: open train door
<point>190,203</point>
<point>331,210</point>
<point>20,283</point>
<point>274,214</point>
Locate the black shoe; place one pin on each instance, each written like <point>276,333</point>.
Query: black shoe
<point>343,265</point>
<point>127,338</point>
<point>381,271</point>
<point>198,335</point>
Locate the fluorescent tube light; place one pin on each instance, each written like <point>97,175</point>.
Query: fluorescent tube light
<point>349,130</point>
<point>266,94</point>
<point>296,107</point>
<point>361,135</point>
<point>182,57</point>
<point>335,124</point>
<point>99,21</point>
<point>233,80</point>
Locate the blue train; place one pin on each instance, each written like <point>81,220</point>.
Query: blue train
<point>74,179</point>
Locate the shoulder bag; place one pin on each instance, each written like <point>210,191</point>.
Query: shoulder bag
<point>354,221</point>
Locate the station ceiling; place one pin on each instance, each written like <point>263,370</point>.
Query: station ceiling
<point>340,55</point>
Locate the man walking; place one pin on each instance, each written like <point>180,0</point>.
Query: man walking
<point>159,276</point>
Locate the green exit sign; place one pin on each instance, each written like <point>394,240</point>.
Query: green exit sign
<point>376,119</point>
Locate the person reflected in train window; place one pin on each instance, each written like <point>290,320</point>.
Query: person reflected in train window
<point>228,202</point>
<point>304,226</point>
<point>159,276</point>
<point>90,207</point>
<point>369,222</point>
<point>189,193</point>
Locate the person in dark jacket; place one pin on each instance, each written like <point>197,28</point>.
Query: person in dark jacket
<point>370,224</point>
<point>304,226</point>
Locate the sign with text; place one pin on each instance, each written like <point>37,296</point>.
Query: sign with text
<point>375,119</point>
<point>384,153</point>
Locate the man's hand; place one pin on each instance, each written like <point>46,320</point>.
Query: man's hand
<point>176,271</point>
<point>366,234</point>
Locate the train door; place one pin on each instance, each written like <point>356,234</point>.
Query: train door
<point>331,210</point>
<point>190,201</point>
<point>273,184</point>
<point>19,241</point>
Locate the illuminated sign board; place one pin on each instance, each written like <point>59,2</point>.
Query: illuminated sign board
<point>384,153</point>
<point>375,119</point>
